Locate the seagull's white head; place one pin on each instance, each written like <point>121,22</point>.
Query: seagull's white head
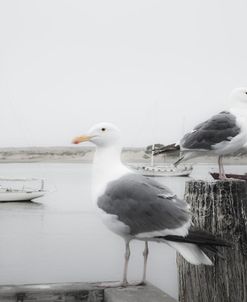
<point>239,96</point>
<point>102,134</point>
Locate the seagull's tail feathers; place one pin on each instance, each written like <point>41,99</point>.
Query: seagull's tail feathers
<point>191,252</point>
<point>196,246</point>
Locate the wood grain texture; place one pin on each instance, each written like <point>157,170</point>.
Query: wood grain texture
<point>221,208</point>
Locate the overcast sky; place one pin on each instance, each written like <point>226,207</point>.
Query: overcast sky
<point>154,68</point>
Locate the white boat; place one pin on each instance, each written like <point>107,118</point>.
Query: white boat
<point>9,190</point>
<point>163,170</point>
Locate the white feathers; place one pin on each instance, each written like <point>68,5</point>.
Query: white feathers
<point>181,231</point>
<point>107,167</point>
<point>191,252</point>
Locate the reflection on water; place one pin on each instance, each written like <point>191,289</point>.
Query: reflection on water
<point>59,238</point>
<point>20,206</point>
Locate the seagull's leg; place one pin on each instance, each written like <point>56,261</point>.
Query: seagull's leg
<point>222,174</point>
<point>219,163</point>
<point>223,170</point>
<point>126,262</point>
<point>145,255</point>
<point>124,282</point>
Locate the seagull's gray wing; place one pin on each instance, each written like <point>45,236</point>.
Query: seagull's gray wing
<point>143,204</point>
<point>221,127</point>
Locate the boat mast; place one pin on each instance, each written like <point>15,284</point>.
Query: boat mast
<point>152,156</point>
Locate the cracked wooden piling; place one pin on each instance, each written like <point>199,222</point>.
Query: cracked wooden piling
<point>219,207</point>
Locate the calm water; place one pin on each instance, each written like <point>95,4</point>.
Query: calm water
<point>59,238</point>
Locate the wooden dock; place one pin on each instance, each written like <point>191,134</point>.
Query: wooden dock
<point>81,292</point>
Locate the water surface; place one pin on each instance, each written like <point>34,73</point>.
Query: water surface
<point>60,239</point>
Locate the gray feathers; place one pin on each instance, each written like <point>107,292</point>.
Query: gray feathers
<point>220,127</point>
<point>143,204</point>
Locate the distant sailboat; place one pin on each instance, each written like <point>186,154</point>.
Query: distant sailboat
<point>9,191</point>
<point>162,170</point>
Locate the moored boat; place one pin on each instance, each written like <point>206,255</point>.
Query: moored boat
<point>164,170</point>
<point>9,192</point>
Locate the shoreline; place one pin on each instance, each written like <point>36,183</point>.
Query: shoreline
<point>227,161</point>
<point>85,155</point>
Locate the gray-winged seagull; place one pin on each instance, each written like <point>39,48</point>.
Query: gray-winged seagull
<point>222,134</point>
<point>136,207</point>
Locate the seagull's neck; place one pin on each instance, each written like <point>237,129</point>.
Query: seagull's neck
<point>239,109</point>
<point>107,154</point>
<point>107,166</point>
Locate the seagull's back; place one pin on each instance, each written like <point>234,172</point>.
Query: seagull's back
<point>222,128</point>
<point>144,206</point>
<point>223,133</point>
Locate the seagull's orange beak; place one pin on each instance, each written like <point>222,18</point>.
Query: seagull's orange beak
<point>80,139</point>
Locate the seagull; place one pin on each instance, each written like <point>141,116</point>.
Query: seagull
<point>139,208</point>
<point>222,134</point>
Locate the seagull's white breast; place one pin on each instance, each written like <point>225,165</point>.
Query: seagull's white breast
<point>237,142</point>
<point>107,167</point>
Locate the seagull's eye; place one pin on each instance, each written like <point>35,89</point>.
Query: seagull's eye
<point>103,129</point>
<point>245,92</point>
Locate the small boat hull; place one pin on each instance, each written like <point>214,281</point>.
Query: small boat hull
<point>232,176</point>
<point>164,171</point>
<point>9,196</point>
<point>166,174</point>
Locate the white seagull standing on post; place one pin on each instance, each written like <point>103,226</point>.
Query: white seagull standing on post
<point>136,207</point>
<point>222,134</point>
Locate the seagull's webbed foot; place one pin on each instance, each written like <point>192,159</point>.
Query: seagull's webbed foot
<point>138,283</point>
<point>113,284</point>
<point>133,283</point>
<point>222,177</point>
<point>124,282</point>
<point>119,284</point>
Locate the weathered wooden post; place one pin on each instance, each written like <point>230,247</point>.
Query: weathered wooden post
<point>221,208</point>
